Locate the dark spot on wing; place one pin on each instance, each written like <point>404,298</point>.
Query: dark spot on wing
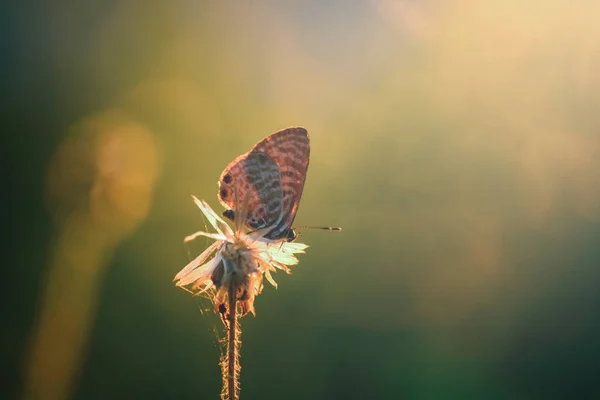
<point>227,178</point>
<point>229,214</point>
<point>262,158</point>
<point>223,193</point>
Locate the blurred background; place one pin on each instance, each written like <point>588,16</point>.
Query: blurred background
<point>455,141</point>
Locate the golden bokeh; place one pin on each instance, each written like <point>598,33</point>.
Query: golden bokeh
<point>99,188</point>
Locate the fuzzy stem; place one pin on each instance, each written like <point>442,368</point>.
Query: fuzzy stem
<point>232,345</point>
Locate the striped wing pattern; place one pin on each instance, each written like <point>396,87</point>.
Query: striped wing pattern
<point>272,175</point>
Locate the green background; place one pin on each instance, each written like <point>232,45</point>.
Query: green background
<point>456,142</point>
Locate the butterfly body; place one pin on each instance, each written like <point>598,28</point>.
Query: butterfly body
<point>271,175</point>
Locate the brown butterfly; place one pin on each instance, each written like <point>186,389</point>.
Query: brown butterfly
<point>271,176</point>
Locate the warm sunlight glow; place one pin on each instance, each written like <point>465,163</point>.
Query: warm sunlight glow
<point>246,257</point>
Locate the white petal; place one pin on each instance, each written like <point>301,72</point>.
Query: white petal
<point>201,273</point>
<point>214,218</point>
<point>215,236</point>
<point>207,285</point>
<point>286,260</point>
<point>295,247</point>
<point>198,260</point>
<point>285,253</point>
<point>219,225</point>
<point>270,279</point>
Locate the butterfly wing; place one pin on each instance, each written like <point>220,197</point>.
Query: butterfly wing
<point>255,175</point>
<point>273,198</point>
<point>290,149</point>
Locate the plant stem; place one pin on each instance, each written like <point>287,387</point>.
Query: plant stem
<point>232,345</point>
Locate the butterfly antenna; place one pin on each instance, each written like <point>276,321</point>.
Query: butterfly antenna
<point>324,228</point>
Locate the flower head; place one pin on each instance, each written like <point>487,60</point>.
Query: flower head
<point>239,258</point>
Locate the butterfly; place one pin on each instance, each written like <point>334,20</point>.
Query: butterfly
<point>271,177</point>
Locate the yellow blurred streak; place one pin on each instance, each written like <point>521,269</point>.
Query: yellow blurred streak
<point>516,80</point>
<point>515,72</point>
<point>99,188</point>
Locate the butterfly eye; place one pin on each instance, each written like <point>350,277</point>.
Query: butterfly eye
<point>227,178</point>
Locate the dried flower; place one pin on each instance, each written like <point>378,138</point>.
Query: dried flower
<point>241,258</point>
